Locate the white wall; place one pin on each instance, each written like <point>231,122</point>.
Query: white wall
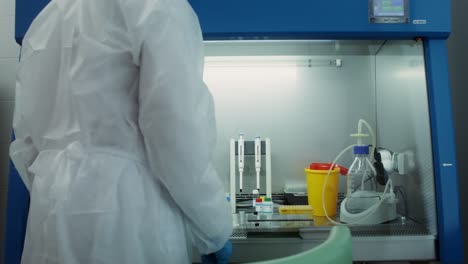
<point>9,51</point>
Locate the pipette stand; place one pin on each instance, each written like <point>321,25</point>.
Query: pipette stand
<point>249,151</point>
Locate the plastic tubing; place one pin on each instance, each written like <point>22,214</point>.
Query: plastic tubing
<point>371,132</point>
<point>388,186</point>
<point>326,182</point>
<point>364,179</point>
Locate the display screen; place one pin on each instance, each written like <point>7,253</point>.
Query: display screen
<point>389,8</point>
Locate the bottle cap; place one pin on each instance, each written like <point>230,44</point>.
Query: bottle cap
<point>361,150</point>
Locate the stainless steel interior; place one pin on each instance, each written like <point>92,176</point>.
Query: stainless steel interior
<point>291,92</point>
<point>307,96</point>
<point>403,124</point>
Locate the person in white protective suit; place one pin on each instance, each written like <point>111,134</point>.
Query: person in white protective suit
<point>115,131</point>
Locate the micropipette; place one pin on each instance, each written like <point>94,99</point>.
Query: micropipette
<point>240,155</point>
<point>258,159</point>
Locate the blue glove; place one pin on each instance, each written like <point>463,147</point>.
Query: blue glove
<point>220,257</point>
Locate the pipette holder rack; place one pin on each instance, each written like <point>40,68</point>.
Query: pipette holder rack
<point>249,150</point>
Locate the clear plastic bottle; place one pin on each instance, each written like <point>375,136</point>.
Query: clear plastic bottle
<point>362,184</point>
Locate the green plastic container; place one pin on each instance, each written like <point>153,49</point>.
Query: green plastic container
<point>337,249</point>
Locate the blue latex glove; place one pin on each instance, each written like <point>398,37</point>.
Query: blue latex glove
<point>220,257</point>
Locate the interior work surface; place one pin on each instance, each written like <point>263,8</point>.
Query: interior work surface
<point>307,98</point>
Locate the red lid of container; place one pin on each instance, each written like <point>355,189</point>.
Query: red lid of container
<point>258,200</point>
<point>326,166</point>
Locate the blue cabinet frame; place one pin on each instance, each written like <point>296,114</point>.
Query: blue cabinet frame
<point>443,144</point>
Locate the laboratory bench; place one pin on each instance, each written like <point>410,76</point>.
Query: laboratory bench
<point>261,237</point>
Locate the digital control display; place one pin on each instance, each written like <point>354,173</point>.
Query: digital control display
<point>389,8</point>
<point>389,11</point>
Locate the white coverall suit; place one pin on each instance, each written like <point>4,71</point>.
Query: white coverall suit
<point>115,132</point>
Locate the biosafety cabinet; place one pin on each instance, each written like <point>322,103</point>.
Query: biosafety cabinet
<point>300,74</point>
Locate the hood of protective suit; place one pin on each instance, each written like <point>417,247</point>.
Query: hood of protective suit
<point>115,132</point>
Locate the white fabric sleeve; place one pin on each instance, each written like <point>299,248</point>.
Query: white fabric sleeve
<point>23,153</point>
<point>178,125</point>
